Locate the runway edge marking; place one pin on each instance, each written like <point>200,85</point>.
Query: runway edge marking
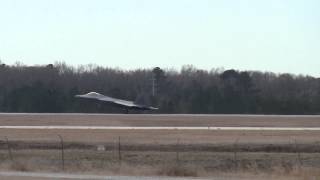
<point>212,128</point>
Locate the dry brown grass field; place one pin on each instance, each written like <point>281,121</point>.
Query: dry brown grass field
<point>203,153</point>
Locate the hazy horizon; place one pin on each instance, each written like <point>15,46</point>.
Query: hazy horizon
<point>280,36</point>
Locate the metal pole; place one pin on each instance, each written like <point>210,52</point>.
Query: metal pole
<point>153,85</point>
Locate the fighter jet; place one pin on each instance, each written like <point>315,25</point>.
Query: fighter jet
<point>118,102</point>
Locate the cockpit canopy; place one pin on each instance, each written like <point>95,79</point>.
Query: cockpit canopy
<point>94,94</point>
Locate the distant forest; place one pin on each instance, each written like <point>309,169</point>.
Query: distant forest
<point>51,88</point>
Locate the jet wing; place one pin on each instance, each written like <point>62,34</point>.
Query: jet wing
<point>125,103</point>
<point>107,99</point>
<point>129,104</point>
<point>100,97</point>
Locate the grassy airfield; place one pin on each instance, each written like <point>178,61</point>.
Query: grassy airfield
<point>200,153</point>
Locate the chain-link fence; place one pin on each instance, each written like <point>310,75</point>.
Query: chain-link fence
<point>174,157</point>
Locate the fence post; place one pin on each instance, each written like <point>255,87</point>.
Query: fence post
<point>235,149</point>
<point>177,152</point>
<point>114,147</point>
<point>62,151</point>
<point>9,149</point>
<point>119,150</point>
<point>298,154</point>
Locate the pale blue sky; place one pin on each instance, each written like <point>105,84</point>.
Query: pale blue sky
<point>266,35</point>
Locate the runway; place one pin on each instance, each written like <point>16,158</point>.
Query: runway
<point>161,115</point>
<point>162,128</point>
<point>163,121</point>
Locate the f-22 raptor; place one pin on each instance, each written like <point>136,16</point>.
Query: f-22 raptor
<point>127,105</point>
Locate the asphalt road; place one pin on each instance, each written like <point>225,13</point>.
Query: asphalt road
<point>158,120</point>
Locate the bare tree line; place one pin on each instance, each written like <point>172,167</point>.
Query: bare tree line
<point>51,88</point>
